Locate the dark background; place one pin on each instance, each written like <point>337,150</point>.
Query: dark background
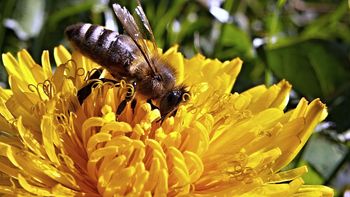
<point>305,42</point>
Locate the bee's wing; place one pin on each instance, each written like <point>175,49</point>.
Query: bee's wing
<point>134,31</point>
<point>146,24</point>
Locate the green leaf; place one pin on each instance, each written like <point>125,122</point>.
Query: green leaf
<point>165,17</point>
<point>281,3</point>
<point>312,176</point>
<point>234,41</point>
<point>316,68</point>
<point>324,155</point>
<point>339,113</point>
<point>61,14</point>
<point>328,25</point>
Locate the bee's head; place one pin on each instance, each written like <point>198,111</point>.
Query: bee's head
<point>170,101</point>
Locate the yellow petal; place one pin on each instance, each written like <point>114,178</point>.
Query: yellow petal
<point>287,175</point>
<point>45,60</point>
<point>171,55</point>
<point>5,93</point>
<point>315,113</point>
<point>61,55</point>
<point>31,141</point>
<point>41,191</point>
<point>194,164</point>
<point>11,65</point>
<point>29,68</point>
<point>50,138</point>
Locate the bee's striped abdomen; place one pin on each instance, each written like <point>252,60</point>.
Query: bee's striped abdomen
<point>106,47</point>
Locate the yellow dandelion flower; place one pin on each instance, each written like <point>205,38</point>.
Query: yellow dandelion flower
<point>217,144</point>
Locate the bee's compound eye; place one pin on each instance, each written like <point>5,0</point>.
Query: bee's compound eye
<point>170,101</point>
<point>173,98</point>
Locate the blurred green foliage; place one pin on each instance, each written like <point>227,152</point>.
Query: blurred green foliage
<point>305,42</point>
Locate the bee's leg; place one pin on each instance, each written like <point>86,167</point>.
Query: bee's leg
<point>173,113</point>
<point>85,91</point>
<point>149,101</point>
<point>129,97</point>
<point>96,74</point>
<point>133,105</point>
<point>162,118</point>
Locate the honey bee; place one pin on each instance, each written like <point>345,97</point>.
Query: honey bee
<point>129,57</point>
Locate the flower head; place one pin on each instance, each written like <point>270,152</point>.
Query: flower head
<point>217,144</point>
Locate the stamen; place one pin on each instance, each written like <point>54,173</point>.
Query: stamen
<point>62,118</point>
<point>39,109</point>
<point>130,91</point>
<point>80,72</point>
<point>49,88</point>
<point>97,83</point>
<point>122,84</point>
<point>186,97</point>
<point>72,71</point>
<point>34,88</point>
<point>63,124</point>
<point>46,87</point>
<point>233,169</point>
